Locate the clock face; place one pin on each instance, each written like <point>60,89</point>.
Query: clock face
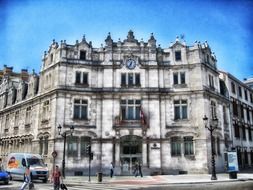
<point>131,64</point>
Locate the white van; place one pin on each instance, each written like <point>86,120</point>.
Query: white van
<point>17,162</point>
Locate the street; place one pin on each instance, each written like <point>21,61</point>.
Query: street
<point>141,183</point>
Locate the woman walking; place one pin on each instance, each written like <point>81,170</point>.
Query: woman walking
<point>56,175</point>
<point>27,178</point>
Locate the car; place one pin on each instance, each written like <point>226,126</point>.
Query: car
<point>4,176</point>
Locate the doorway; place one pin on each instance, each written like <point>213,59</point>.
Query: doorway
<point>130,153</point>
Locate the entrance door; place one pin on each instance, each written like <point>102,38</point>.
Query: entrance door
<point>130,153</point>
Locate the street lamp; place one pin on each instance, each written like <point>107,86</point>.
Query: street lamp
<point>212,126</point>
<point>64,135</point>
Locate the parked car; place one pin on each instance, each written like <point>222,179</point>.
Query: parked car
<point>4,176</point>
<point>17,162</point>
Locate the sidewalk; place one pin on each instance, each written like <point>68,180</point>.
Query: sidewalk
<point>159,179</point>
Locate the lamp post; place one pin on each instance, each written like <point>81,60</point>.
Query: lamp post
<point>211,128</point>
<point>64,135</point>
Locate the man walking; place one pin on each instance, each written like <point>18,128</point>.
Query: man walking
<point>111,169</point>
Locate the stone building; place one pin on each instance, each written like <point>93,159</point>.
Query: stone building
<point>131,100</point>
<point>249,82</point>
<point>241,106</point>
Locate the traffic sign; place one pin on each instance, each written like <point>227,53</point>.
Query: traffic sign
<point>54,154</point>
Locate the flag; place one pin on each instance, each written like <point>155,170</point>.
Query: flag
<point>142,116</point>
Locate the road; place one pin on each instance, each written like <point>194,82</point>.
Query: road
<point>230,185</point>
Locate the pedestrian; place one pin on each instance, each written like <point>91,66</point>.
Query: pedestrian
<point>111,169</point>
<point>56,175</point>
<point>140,171</point>
<point>136,169</point>
<point>1,165</point>
<point>27,179</point>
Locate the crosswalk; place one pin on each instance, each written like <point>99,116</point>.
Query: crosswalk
<point>85,186</point>
<point>91,186</point>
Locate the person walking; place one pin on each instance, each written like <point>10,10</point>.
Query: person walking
<point>1,164</point>
<point>27,178</point>
<point>136,169</point>
<point>111,169</point>
<point>140,171</point>
<point>56,175</point>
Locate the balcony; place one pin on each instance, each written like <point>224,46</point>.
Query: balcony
<point>120,123</point>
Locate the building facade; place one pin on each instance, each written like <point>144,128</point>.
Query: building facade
<point>131,100</point>
<point>241,106</point>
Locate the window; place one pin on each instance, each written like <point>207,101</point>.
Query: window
<point>130,109</point>
<point>188,146</point>
<point>16,118</point>
<point>243,132</point>
<point>211,82</point>
<point>213,109</point>
<point>237,130</point>
<point>235,110</point>
<point>7,121</point>
<point>80,109</point>
<point>242,111</point>
<point>248,117</point>
<point>28,115</point>
<point>178,55</point>
<point>207,58</point>
<point>137,79</point>
<point>175,78</point>
<point>180,109</point>
<point>82,78</point>
<point>246,94</point>
<point>78,77</point>
<point>83,55</point>
<point>251,98</point>
<point>51,58</point>
<point>45,145</point>
<point>233,87</point>
<point>179,78</point>
<point>123,79</point>
<point>130,79</point>
<point>72,142</point>
<point>175,146</point>
<point>45,111</point>
<point>41,145</point>
<point>240,91</point>
<point>225,115</point>
<point>85,78</point>
<point>250,135</point>
<point>85,141</point>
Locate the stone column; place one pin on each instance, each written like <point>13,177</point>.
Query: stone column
<point>117,156</point>
<point>144,152</point>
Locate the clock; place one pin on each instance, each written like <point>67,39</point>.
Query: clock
<point>131,64</point>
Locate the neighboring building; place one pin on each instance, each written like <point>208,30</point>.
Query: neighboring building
<point>241,101</point>
<point>131,100</point>
<point>249,82</point>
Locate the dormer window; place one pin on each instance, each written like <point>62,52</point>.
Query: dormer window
<point>178,55</point>
<point>83,55</point>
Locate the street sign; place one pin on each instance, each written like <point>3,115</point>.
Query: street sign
<point>54,154</point>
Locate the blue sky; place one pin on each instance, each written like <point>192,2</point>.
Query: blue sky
<point>27,27</point>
